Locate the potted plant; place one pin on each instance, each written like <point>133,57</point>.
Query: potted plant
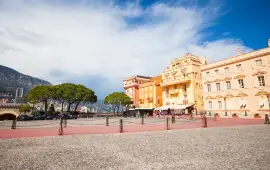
<point>234,115</point>
<point>257,115</point>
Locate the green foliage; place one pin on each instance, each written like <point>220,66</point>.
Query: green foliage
<point>66,92</point>
<point>117,99</point>
<point>35,112</point>
<point>25,108</point>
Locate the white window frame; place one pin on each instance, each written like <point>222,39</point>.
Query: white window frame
<point>210,105</point>
<point>208,87</point>
<point>258,62</point>
<point>239,67</point>
<point>218,86</point>
<point>226,69</point>
<point>219,104</point>
<point>228,85</point>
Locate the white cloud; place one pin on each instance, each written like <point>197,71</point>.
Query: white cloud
<point>97,39</point>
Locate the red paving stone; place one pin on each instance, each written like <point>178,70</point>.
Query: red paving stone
<point>130,128</point>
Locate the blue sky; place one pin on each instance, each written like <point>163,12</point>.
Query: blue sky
<point>98,43</point>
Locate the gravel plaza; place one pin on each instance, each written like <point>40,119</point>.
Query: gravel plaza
<point>240,147</point>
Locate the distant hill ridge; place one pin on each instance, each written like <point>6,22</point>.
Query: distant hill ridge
<point>11,79</point>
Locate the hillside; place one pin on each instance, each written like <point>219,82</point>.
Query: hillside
<point>11,79</point>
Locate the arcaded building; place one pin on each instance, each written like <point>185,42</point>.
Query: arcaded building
<point>238,85</point>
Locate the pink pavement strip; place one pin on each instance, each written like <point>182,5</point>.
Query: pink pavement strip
<point>128,128</point>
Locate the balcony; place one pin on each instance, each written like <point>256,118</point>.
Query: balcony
<point>174,91</point>
<point>127,85</point>
<point>176,81</point>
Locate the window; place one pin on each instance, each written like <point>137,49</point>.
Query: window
<point>239,67</point>
<point>241,83</point>
<point>228,84</point>
<point>185,87</point>
<point>218,86</point>
<point>261,80</point>
<point>209,87</point>
<point>210,105</point>
<point>219,104</point>
<point>258,62</point>
<point>226,70</point>
<point>207,73</point>
<point>216,71</point>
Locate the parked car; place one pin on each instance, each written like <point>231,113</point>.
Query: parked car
<point>24,118</point>
<point>43,117</point>
<point>66,115</point>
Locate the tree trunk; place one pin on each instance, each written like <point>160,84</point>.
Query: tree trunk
<point>46,106</point>
<point>77,104</point>
<point>62,106</point>
<point>68,106</point>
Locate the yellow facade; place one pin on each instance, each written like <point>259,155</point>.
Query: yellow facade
<point>182,83</point>
<point>150,93</point>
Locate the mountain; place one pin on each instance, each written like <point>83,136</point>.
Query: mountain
<point>11,79</point>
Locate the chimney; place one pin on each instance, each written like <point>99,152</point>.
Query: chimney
<point>238,51</point>
<point>268,42</point>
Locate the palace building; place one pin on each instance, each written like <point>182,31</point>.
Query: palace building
<point>182,83</point>
<point>131,86</point>
<point>238,85</point>
<point>150,93</point>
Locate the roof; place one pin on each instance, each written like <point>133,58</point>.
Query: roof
<point>137,76</point>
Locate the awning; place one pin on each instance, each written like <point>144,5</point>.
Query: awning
<point>175,107</point>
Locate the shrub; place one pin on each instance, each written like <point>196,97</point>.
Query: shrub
<point>234,114</point>
<point>256,114</point>
<point>35,112</point>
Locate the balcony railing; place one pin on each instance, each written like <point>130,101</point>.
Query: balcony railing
<point>174,91</point>
<point>176,81</point>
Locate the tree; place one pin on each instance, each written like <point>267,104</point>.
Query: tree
<point>59,94</point>
<point>40,94</point>
<point>25,108</point>
<point>117,99</point>
<point>84,95</point>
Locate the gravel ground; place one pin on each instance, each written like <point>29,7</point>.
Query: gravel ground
<point>242,147</point>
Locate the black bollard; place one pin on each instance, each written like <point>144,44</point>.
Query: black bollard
<point>61,127</point>
<point>209,113</point>
<point>204,121</point>
<point>215,117</point>
<point>107,121</point>
<point>142,122</point>
<point>167,123</point>
<point>245,113</point>
<point>14,121</point>
<point>266,119</point>
<point>121,126</point>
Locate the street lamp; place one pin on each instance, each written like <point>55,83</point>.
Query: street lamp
<point>225,106</point>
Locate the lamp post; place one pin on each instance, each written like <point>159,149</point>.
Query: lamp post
<point>225,106</point>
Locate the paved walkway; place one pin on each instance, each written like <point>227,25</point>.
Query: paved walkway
<point>129,126</point>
